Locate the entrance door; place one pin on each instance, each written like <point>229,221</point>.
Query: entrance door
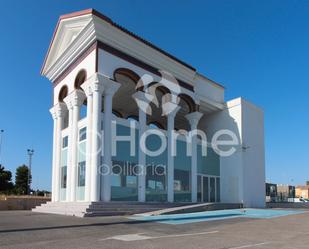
<point>212,189</point>
<point>205,189</point>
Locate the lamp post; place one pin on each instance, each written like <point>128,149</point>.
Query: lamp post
<point>1,135</point>
<point>30,153</point>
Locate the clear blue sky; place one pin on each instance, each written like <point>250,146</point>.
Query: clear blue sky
<point>257,49</point>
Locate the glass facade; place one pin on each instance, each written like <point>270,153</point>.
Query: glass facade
<point>124,179</point>
<point>218,198</point>
<point>81,174</point>
<point>81,165</point>
<point>156,179</point>
<point>63,168</point>
<point>212,189</point>
<point>124,182</point>
<point>124,168</point>
<point>199,188</point>
<point>156,183</point>
<point>182,174</point>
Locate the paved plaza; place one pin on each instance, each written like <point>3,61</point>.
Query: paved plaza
<point>24,229</point>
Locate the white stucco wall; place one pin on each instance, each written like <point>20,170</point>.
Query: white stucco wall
<point>88,63</point>
<point>205,88</point>
<point>254,155</point>
<point>243,173</point>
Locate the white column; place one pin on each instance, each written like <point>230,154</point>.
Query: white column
<point>96,85</point>
<point>74,101</point>
<point>54,116</point>
<point>89,93</point>
<point>60,109</point>
<point>142,99</point>
<point>193,119</point>
<point>170,109</point>
<point>110,87</point>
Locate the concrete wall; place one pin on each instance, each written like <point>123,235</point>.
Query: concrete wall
<point>242,173</point>
<point>21,202</point>
<point>230,167</point>
<point>89,64</point>
<point>253,155</point>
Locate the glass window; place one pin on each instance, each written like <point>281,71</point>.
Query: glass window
<point>218,189</point>
<point>83,112</point>
<point>82,134</point>
<point>199,188</point>
<point>205,189</point>
<point>156,183</point>
<point>182,185</point>
<point>212,189</point>
<point>65,142</point>
<point>63,176</point>
<point>81,173</point>
<point>124,181</point>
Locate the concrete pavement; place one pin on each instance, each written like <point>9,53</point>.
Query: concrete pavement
<point>24,229</point>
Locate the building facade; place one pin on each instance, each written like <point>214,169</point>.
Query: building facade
<point>285,193</point>
<point>302,192</point>
<point>115,93</point>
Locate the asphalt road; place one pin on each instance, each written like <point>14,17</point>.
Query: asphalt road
<point>24,229</point>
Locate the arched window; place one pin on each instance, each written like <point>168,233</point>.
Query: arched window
<point>63,93</point>
<point>80,78</point>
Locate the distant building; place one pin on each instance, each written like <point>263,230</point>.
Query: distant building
<point>285,192</point>
<point>271,192</point>
<point>302,192</point>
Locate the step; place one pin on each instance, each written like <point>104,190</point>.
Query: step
<point>109,213</point>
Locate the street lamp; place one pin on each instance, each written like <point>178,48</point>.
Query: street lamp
<point>30,153</point>
<point>1,135</point>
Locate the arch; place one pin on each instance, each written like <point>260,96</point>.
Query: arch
<point>163,89</point>
<point>126,72</point>
<point>117,113</point>
<point>63,93</point>
<point>189,101</point>
<point>80,78</point>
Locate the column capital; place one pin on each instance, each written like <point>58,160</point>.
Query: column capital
<point>194,118</point>
<point>93,84</point>
<point>75,98</point>
<point>58,110</point>
<point>170,109</point>
<point>53,112</point>
<point>110,86</point>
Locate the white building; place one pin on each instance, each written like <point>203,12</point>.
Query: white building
<point>100,73</point>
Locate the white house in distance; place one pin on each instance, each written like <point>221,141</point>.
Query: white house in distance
<point>102,74</point>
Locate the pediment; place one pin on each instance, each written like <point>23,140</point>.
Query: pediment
<point>66,32</point>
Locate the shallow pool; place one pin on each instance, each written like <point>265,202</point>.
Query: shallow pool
<point>216,215</point>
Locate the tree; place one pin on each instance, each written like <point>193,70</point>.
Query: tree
<point>307,183</point>
<point>6,184</point>
<point>21,180</point>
